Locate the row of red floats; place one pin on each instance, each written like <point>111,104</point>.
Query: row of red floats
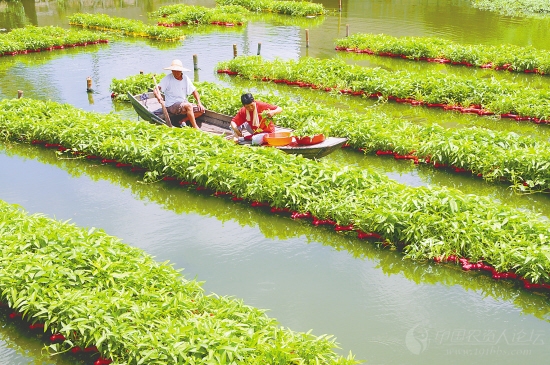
<point>505,67</point>
<point>472,109</point>
<point>179,24</point>
<point>480,265</point>
<point>80,44</point>
<point>58,338</point>
<point>307,215</point>
<point>437,165</point>
<point>466,264</point>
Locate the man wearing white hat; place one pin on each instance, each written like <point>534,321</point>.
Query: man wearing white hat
<point>176,87</point>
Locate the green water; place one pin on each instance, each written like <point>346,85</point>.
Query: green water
<point>384,309</point>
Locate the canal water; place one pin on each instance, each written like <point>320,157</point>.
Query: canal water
<point>382,308</point>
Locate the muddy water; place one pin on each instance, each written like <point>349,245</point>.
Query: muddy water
<point>380,307</point>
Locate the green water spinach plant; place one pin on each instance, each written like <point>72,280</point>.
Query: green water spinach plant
<point>283,20</point>
<point>134,84</point>
<point>181,14</point>
<point>426,222</point>
<point>520,8</point>
<point>432,49</point>
<point>95,291</point>
<point>37,39</point>
<point>287,7</point>
<point>465,94</point>
<point>125,26</point>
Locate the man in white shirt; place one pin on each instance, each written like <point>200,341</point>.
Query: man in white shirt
<point>176,87</point>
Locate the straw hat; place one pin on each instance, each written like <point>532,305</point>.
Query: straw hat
<point>176,66</point>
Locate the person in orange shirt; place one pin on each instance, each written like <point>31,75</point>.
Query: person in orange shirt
<point>254,117</point>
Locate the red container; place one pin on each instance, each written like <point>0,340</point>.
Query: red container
<point>307,141</point>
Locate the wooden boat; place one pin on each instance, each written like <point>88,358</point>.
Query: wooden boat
<point>215,123</point>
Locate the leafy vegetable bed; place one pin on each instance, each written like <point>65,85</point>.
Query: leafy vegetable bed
<point>181,14</point>
<point>426,222</point>
<point>494,156</point>
<point>532,8</point>
<point>503,57</point>
<point>128,27</point>
<point>464,94</point>
<point>98,294</point>
<point>287,7</point>
<point>136,84</point>
<point>36,39</point>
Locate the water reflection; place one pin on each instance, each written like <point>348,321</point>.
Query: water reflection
<point>12,15</point>
<point>20,345</point>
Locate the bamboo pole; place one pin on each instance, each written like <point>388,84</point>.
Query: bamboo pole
<point>19,94</point>
<point>195,62</point>
<point>340,5</point>
<point>347,30</point>
<point>234,50</point>
<point>259,48</point>
<point>164,110</point>
<point>307,38</point>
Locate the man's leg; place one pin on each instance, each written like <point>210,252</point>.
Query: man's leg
<point>188,109</point>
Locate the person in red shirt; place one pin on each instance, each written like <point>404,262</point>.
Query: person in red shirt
<point>255,116</point>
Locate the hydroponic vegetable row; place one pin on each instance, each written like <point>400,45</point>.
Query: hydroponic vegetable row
<point>433,89</point>
<point>135,84</point>
<point>181,14</point>
<point>492,155</point>
<point>502,57</point>
<point>427,222</point>
<point>128,27</point>
<point>94,292</point>
<point>37,39</point>
<point>521,8</point>
<point>287,7</point>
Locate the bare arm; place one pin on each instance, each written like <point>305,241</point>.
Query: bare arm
<point>236,130</point>
<point>156,92</point>
<point>198,98</point>
<point>271,113</point>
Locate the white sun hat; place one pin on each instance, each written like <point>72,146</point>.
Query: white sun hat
<point>176,66</point>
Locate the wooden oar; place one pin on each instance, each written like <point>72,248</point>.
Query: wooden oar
<point>164,110</point>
